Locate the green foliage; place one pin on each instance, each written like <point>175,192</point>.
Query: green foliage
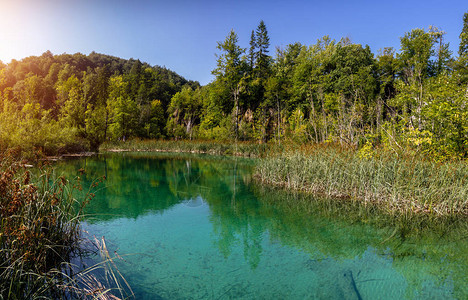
<point>461,65</point>
<point>298,126</point>
<point>230,66</point>
<point>33,128</point>
<point>416,51</point>
<point>221,132</point>
<point>413,98</point>
<point>70,95</point>
<point>446,116</point>
<point>68,102</point>
<point>95,122</point>
<point>154,127</point>
<point>122,110</point>
<point>184,112</point>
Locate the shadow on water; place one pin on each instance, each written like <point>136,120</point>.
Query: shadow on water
<point>199,227</point>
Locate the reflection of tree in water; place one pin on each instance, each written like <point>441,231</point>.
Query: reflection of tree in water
<point>133,185</point>
<point>234,215</point>
<point>137,184</point>
<point>221,185</point>
<point>241,213</point>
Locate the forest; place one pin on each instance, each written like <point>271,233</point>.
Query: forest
<point>413,98</point>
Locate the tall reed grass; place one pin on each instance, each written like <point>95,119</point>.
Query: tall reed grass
<point>246,149</point>
<point>40,235</point>
<point>395,183</point>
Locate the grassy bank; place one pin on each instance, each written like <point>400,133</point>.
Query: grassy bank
<point>246,149</point>
<point>396,184</point>
<point>40,235</point>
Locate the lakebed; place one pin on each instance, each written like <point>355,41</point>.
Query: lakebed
<point>200,227</point>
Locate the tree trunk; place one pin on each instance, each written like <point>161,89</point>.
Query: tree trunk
<point>324,116</point>
<point>314,124</point>
<point>189,125</point>
<point>278,117</point>
<point>236,104</point>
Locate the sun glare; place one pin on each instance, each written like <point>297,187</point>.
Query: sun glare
<point>21,29</point>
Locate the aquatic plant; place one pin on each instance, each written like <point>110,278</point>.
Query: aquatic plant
<point>40,235</point>
<point>396,183</point>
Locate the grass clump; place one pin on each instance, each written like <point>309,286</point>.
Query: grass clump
<point>246,149</point>
<point>395,183</point>
<point>40,235</point>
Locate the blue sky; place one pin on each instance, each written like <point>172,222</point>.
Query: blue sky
<point>182,35</point>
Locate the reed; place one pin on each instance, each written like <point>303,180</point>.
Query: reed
<point>40,234</point>
<point>246,149</point>
<point>397,184</point>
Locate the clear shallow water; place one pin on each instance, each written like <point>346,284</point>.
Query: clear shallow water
<point>192,227</point>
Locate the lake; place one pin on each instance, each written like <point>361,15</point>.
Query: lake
<point>199,227</point>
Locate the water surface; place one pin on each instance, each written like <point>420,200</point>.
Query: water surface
<point>198,227</point>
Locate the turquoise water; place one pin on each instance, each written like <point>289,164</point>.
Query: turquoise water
<point>194,227</point>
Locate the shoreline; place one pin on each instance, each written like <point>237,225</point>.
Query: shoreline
<point>392,191</point>
<point>242,149</point>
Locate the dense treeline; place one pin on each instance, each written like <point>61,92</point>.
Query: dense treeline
<point>332,91</point>
<point>336,91</point>
<point>55,102</point>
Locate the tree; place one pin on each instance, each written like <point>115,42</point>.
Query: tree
<point>462,63</point>
<point>70,93</point>
<point>414,60</point>
<point>278,87</point>
<point>444,61</point>
<point>184,111</point>
<point>305,84</point>
<point>217,104</point>
<point>284,66</point>
<point>386,74</point>
<point>274,97</point>
<point>253,47</point>
<point>230,70</point>
<point>122,110</point>
<point>463,48</point>
<point>262,43</point>
<point>96,123</point>
<point>312,81</point>
<point>447,117</point>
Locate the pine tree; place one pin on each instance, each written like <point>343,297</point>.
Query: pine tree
<point>262,58</point>
<point>463,49</point>
<point>462,63</point>
<point>253,47</point>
